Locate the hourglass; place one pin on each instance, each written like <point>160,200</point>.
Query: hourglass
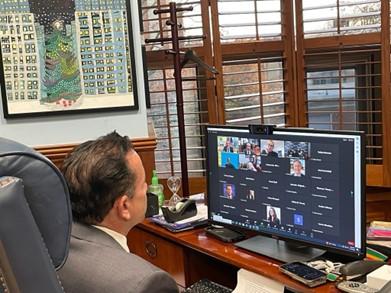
<point>174,184</point>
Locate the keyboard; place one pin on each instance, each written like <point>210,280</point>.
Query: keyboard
<point>207,286</point>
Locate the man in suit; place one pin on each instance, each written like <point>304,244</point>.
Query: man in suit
<point>228,148</point>
<point>107,186</point>
<point>269,150</point>
<point>248,151</point>
<point>229,192</point>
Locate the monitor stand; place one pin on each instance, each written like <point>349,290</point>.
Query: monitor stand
<point>279,249</point>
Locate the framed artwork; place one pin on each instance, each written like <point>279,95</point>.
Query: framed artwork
<point>66,56</point>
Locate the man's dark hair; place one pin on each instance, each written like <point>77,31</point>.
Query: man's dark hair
<point>97,174</point>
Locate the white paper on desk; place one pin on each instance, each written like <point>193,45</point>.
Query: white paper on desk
<point>198,197</point>
<point>202,213</point>
<point>249,282</point>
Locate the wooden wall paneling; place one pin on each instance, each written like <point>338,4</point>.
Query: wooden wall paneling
<point>218,61</point>
<point>203,267</point>
<point>378,210</point>
<point>145,147</point>
<point>208,58</point>
<point>341,40</point>
<point>385,85</point>
<point>288,34</point>
<point>56,153</point>
<point>160,252</point>
<point>300,67</point>
<point>374,175</point>
<point>378,204</point>
<point>252,48</point>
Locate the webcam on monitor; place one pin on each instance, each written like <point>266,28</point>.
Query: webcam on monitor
<point>266,129</point>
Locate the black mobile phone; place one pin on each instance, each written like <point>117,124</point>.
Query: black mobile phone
<point>224,234</point>
<point>304,273</point>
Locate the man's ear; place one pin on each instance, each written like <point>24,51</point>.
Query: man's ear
<point>122,205</point>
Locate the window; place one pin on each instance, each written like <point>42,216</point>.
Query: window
<point>154,26</point>
<point>249,20</point>
<point>320,64</point>
<point>344,92</point>
<point>162,91</point>
<point>335,17</point>
<point>254,92</point>
<point>163,113</point>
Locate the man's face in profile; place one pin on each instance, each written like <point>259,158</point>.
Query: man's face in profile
<point>138,200</point>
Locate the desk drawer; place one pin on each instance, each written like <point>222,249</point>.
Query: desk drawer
<point>162,253</point>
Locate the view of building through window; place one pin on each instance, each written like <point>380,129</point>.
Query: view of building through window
<point>324,89</point>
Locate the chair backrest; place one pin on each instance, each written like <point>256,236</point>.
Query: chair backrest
<point>35,220</point>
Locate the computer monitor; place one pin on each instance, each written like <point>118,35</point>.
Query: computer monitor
<point>303,186</point>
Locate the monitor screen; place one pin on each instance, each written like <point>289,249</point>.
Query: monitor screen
<point>293,184</point>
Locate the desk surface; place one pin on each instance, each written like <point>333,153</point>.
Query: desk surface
<point>198,240</point>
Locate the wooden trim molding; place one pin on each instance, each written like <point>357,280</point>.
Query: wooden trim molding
<point>375,175</point>
<point>56,153</point>
<point>340,41</point>
<point>145,147</point>
<point>251,48</point>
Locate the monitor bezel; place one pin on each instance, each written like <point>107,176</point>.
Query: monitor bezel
<point>355,255</point>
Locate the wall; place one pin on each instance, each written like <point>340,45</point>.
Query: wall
<point>78,128</point>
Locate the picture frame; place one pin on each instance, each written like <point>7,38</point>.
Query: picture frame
<point>66,57</point>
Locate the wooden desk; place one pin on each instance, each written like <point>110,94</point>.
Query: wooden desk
<point>192,255</point>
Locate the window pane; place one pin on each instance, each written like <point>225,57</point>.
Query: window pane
<point>254,92</point>
<point>249,20</point>
<point>155,25</point>
<point>348,96</point>
<point>332,17</point>
<point>163,113</point>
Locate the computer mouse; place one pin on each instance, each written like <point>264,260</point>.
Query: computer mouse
<point>360,267</point>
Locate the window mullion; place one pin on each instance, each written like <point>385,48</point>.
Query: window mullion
<point>259,66</point>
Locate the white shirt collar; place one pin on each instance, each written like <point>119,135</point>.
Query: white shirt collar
<point>121,239</point>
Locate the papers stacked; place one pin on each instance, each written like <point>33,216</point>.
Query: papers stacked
<point>379,240</point>
<point>379,230</point>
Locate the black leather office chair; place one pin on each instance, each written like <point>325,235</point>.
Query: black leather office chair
<point>35,220</point>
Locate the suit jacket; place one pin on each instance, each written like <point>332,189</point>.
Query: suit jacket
<point>97,263</point>
<point>229,149</point>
